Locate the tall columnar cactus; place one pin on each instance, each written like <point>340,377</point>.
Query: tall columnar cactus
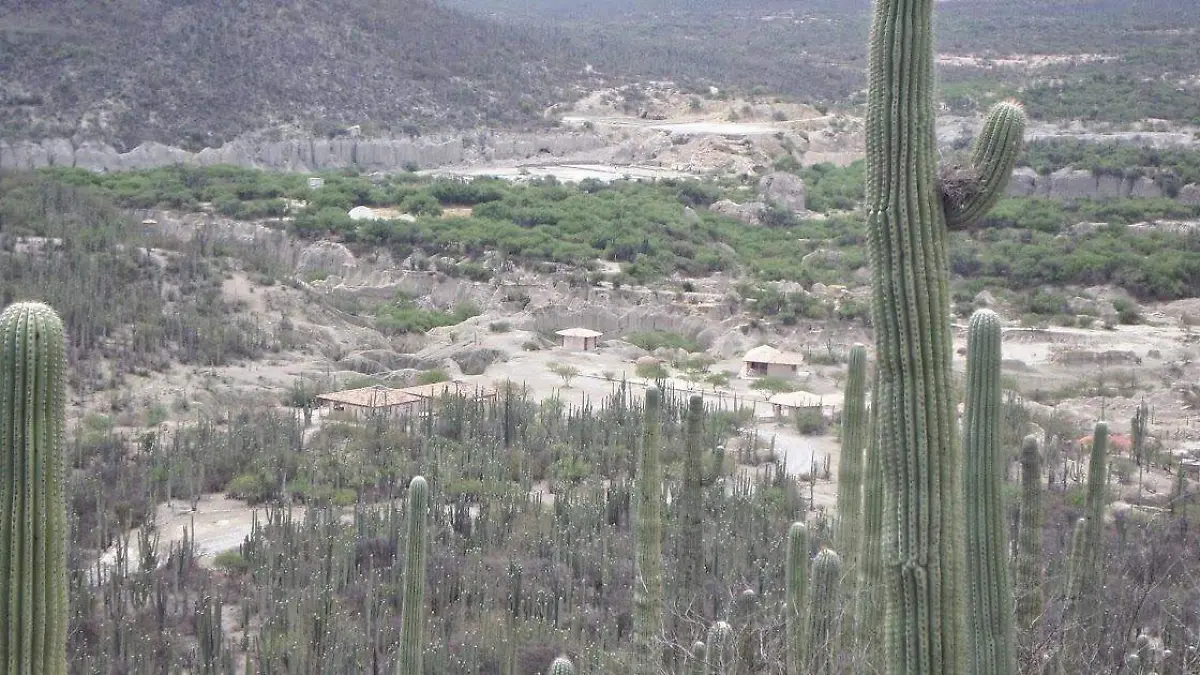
<point>1029,575</point>
<point>869,603</point>
<point>1087,563</point>
<point>412,615</point>
<point>698,665</point>
<point>33,521</point>
<point>991,640</point>
<point>824,608</point>
<point>648,562</point>
<point>796,575</point>
<point>850,469</point>
<point>721,654</point>
<point>691,505</point>
<point>561,666</point>
<point>913,405</point>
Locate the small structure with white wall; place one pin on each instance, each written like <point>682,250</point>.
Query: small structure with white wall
<point>315,182</point>
<point>787,404</point>
<point>766,360</point>
<point>579,339</point>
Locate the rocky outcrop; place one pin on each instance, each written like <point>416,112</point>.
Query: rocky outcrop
<point>1190,194</point>
<point>751,213</point>
<point>784,190</point>
<point>1071,184</point>
<point>304,154</point>
<point>325,258</point>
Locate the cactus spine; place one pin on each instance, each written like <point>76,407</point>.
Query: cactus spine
<point>824,605</point>
<point>1029,544</point>
<point>913,404</point>
<point>562,666</point>
<point>648,563</point>
<point>796,583</point>
<point>413,610</point>
<point>33,525</point>
<point>992,642</point>
<point>850,470</point>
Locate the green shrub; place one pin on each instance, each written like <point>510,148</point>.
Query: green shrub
<point>652,340</point>
<point>773,384</point>
<point>810,421</point>
<point>249,487</point>
<point>403,316</point>
<point>432,376</point>
<point>651,371</point>
<point>231,562</point>
<point>1127,311</point>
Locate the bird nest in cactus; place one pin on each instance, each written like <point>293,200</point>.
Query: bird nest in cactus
<point>959,185</point>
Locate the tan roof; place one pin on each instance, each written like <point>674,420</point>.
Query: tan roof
<point>769,354</point>
<point>579,333</point>
<point>370,397</point>
<point>800,399</point>
<point>439,389</point>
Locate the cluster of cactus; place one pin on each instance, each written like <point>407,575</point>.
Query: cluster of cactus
<point>33,526</point>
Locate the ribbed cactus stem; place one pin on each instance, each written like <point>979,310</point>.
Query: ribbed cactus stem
<point>824,607</point>
<point>869,603</point>
<point>1087,563</point>
<point>1030,599</point>
<point>796,581</point>
<point>721,657</point>
<point>691,505</point>
<point>1078,557</point>
<point>33,521</point>
<point>648,562</point>
<point>412,614</point>
<point>699,659</point>
<point>561,666</point>
<point>848,532</point>
<point>967,194</point>
<point>991,639</point>
<point>914,403</point>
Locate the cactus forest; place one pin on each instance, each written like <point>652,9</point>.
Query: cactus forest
<point>640,532</point>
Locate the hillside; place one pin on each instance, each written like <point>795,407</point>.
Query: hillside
<point>198,73</point>
<point>1108,61</point>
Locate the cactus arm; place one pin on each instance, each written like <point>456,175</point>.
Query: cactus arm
<point>33,524</point>
<point>413,607</point>
<point>991,641</point>
<point>966,198</point>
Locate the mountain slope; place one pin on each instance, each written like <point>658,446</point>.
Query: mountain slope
<point>199,72</point>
